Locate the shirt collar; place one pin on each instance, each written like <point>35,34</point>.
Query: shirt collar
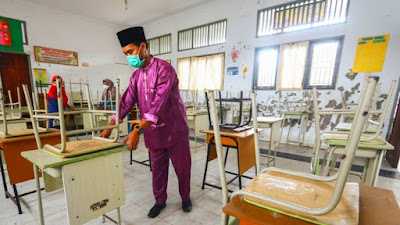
<point>148,65</point>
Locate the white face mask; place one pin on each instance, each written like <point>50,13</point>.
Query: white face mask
<point>106,86</point>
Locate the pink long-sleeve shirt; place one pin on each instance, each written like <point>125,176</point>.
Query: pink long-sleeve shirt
<point>155,89</point>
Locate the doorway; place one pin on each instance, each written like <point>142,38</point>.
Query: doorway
<point>14,70</point>
<point>393,156</point>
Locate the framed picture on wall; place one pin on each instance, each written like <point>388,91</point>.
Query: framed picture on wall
<point>40,77</point>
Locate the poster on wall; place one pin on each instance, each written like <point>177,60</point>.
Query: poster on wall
<point>40,77</point>
<point>5,34</point>
<point>370,54</point>
<point>57,56</point>
<point>232,71</point>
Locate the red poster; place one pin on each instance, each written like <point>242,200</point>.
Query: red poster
<point>5,36</point>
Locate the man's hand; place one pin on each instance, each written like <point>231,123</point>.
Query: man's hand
<point>106,133</point>
<point>133,138</point>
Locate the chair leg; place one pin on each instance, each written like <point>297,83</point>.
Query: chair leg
<point>205,169</point>
<point>226,156</point>
<point>238,166</point>
<point>151,169</point>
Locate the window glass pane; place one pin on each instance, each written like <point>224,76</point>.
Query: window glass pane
<point>300,15</point>
<point>202,36</point>
<point>267,62</point>
<point>323,63</point>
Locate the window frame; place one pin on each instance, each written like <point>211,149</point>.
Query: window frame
<point>256,66</point>
<point>159,43</point>
<point>208,35</point>
<point>307,72</point>
<point>290,3</point>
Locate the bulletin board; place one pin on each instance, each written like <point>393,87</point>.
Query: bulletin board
<point>10,35</point>
<point>57,56</point>
<point>370,54</point>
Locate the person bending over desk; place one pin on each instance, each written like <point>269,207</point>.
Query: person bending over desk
<point>154,86</point>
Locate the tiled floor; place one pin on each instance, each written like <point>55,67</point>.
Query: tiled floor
<point>207,203</point>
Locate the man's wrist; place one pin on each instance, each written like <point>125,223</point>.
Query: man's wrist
<point>139,129</point>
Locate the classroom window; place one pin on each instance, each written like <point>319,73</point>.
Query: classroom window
<point>323,63</point>
<point>160,45</point>
<point>300,15</point>
<point>295,66</point>
<point>202,36</point>
<point>201,72</point>
<point>266,68</point>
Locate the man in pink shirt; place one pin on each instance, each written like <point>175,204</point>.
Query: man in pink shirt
<point>154,86</point>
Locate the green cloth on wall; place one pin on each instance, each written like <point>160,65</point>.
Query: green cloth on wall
<point>16,36</point>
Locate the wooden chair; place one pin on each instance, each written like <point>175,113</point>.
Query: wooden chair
<point>301,195</point>
<point>73,148</point>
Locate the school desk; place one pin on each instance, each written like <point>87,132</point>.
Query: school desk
<point>18,169</point>
<point>93,183</point>
<point>243,142</point>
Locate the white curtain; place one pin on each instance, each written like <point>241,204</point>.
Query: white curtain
<point>292,64</point>
<point>183,73</point>
<point>201,73</point>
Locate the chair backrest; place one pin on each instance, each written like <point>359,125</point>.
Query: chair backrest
<point>60,116</point>
<point>224,122</point>
<point>77,97</point>
<point>11,112</point>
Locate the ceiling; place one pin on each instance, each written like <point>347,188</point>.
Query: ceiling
<point>113,11</point>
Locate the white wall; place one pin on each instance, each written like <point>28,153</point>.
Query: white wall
<point>95,42</point>
<point>366,18</point>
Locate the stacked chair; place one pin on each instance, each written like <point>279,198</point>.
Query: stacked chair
<point>316,199</point>
<point>73,148</point>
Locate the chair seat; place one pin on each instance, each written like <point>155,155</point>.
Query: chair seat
<point>306,192</point>
<point>79,147</point>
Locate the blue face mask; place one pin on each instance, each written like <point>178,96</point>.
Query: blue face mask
<point>135,61</point>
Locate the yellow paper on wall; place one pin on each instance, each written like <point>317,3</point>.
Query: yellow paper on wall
<point>370,54</point>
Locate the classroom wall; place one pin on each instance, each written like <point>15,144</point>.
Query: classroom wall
<point>95,42</point>
<point>365,18</point>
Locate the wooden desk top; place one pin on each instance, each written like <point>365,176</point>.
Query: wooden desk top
<point>53,132</point>
<point>295,112</point>
<point>239,135</point>
<point>372,128</point>
<point>377,206</point>
<point>44,160</point>
<point>378,143</point>
<point>268,119</point>
<point>196,113</point>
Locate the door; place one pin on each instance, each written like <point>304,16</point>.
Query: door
<point>14,70</point>
<point>393,156</point>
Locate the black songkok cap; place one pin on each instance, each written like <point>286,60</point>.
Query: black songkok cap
<point>131,35</point>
